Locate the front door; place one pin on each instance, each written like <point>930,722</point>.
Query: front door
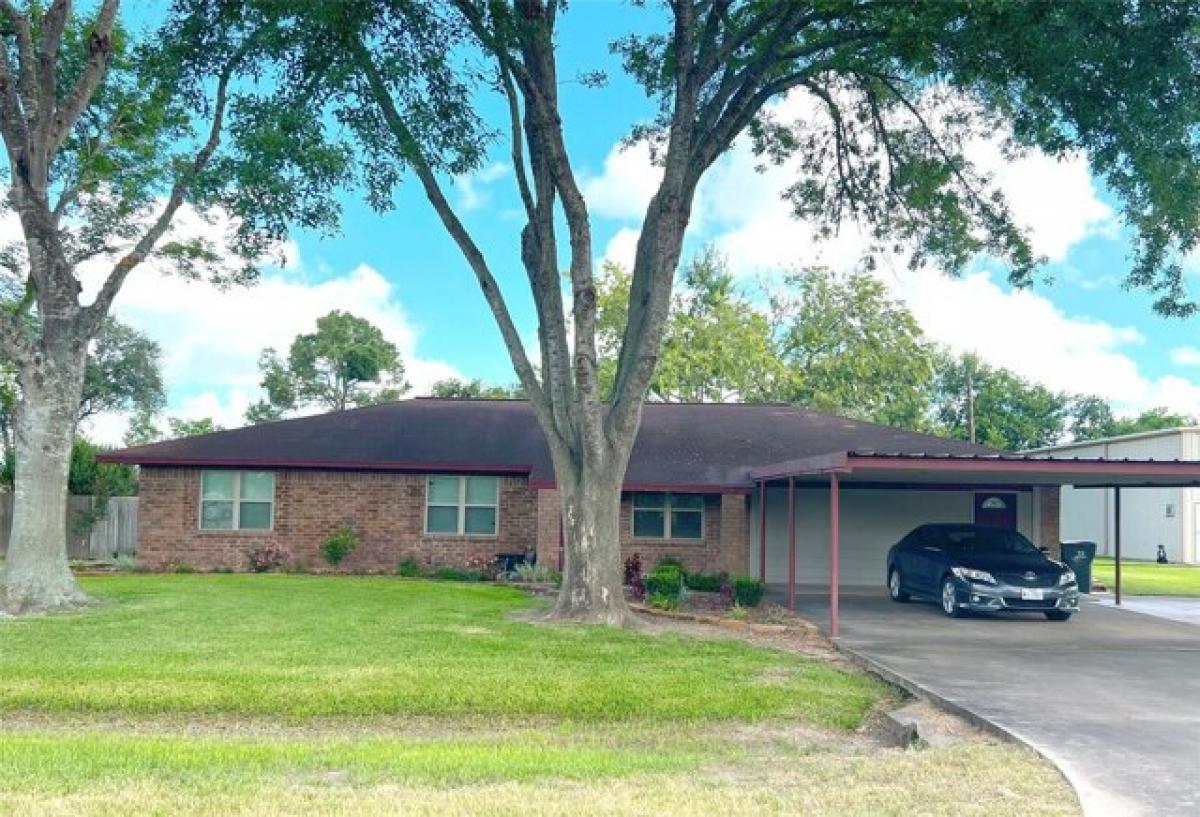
<point>997,510</point>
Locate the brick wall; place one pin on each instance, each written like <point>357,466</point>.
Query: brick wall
<point>702,555</point>
<point>1046,524</point>
<point>387,511</point>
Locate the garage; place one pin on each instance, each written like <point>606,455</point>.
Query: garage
<point>824,524</point>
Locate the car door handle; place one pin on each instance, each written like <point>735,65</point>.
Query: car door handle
<point>932,549</point>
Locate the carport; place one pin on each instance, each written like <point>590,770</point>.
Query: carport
<point>835,515</point>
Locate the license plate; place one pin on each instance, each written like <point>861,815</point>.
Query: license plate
<point>1032,594</point>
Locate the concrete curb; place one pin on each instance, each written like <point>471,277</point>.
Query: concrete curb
<point>917,690</point>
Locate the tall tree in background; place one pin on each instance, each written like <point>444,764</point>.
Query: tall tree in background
<point>105,140</point>
<point>888,95</point>
<point>1010,412</point>
<point>717,344</point>
<point>1094,419</point>
<point>122,373</point>
<point>454,389</point>
<point>851,349</point>
<point>346,362</point>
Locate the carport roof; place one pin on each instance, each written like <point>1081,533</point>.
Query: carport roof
<point>975,468</point>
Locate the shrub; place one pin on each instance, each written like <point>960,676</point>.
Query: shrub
<point>663,601</point>
<point>528,573</point>
<point>268,557</point>
<point>633,569</point>
<point>127,563</point>
<point>410,568</point>
<point>339,544</point>
<point>181,567</point>
<point>747,591</point>
<point>738,613</point>
<point>488,567</point>
<point>458,574</point>
<point>671,561</point>
<point>666,580</point>
<point>704,582</point>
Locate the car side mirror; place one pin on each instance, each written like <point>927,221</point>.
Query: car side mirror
<point>1044,549</point>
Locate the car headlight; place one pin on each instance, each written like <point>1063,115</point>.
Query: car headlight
<point>971,574</point>
<point>1068,577</point>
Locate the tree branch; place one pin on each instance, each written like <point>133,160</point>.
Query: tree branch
<point>92,315</point>
<point>99,48</point>
<point>467,246</point>
<point>28,66</point>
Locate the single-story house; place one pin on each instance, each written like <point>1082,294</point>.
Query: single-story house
<point>794,496</point>
<point>1169,517</point>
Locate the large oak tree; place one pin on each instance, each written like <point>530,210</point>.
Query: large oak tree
<point>106,139</point>
<point>897,88</point>
<point>893,89</point>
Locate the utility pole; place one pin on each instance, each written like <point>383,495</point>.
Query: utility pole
<point>969,362</point>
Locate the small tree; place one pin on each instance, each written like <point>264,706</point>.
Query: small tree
<point>347,362</point>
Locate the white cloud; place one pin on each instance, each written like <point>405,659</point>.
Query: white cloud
<point>622,247</point>
<point>1056,199</point>
<point>471,187</point>
<point>739,209</point>
<point>212,338</point>
<point>1185,356</point>
<point>626,184</point>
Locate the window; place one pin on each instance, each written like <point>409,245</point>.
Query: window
<point>237,500</point>
<point>668,516</point>
<point>462,506</point>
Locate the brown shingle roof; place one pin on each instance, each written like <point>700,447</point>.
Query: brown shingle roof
<point>698,445</point>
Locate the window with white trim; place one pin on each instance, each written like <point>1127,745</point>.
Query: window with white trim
<point>462,506</point>
<point>237,500</point>
<point>668,516</point>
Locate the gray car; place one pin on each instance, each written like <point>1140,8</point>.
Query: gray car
<point>976,568</point>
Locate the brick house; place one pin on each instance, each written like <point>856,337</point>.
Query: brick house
<point>754,489</point>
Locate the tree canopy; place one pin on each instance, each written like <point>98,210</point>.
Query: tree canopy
<point>475,389</point>
<point>346,362</point>
<point>871,104</point>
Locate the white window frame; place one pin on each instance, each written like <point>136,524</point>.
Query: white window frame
<point>237,503</point>
<point>666,509</point>
<point>462,505</point>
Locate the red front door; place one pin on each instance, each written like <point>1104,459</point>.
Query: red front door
<point>997,510</point>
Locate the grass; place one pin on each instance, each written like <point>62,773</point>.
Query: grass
<point>334,695</point>
<point>1149,578</point>
<point>304,646</point>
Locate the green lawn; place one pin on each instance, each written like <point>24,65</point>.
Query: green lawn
<point>299,646</point>
<point>189,694</point>
<point>1149,578</point>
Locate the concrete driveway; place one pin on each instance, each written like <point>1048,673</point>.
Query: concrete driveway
<point>1112,697</point>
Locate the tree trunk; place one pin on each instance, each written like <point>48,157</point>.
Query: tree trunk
<point>592,587</point>
<point>36,576</point>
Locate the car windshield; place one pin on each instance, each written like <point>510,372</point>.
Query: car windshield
<point>982,540</point>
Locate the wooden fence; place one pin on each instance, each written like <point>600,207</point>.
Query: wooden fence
<point>115,532</point>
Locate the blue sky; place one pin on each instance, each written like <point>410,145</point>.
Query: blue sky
<point>1082,332</point>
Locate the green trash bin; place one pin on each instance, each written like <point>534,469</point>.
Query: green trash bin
<point>1079,556</point>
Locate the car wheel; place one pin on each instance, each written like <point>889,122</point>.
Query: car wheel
<point>1058,615</point>
<point>950,599</point>
<point>895,587</point>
